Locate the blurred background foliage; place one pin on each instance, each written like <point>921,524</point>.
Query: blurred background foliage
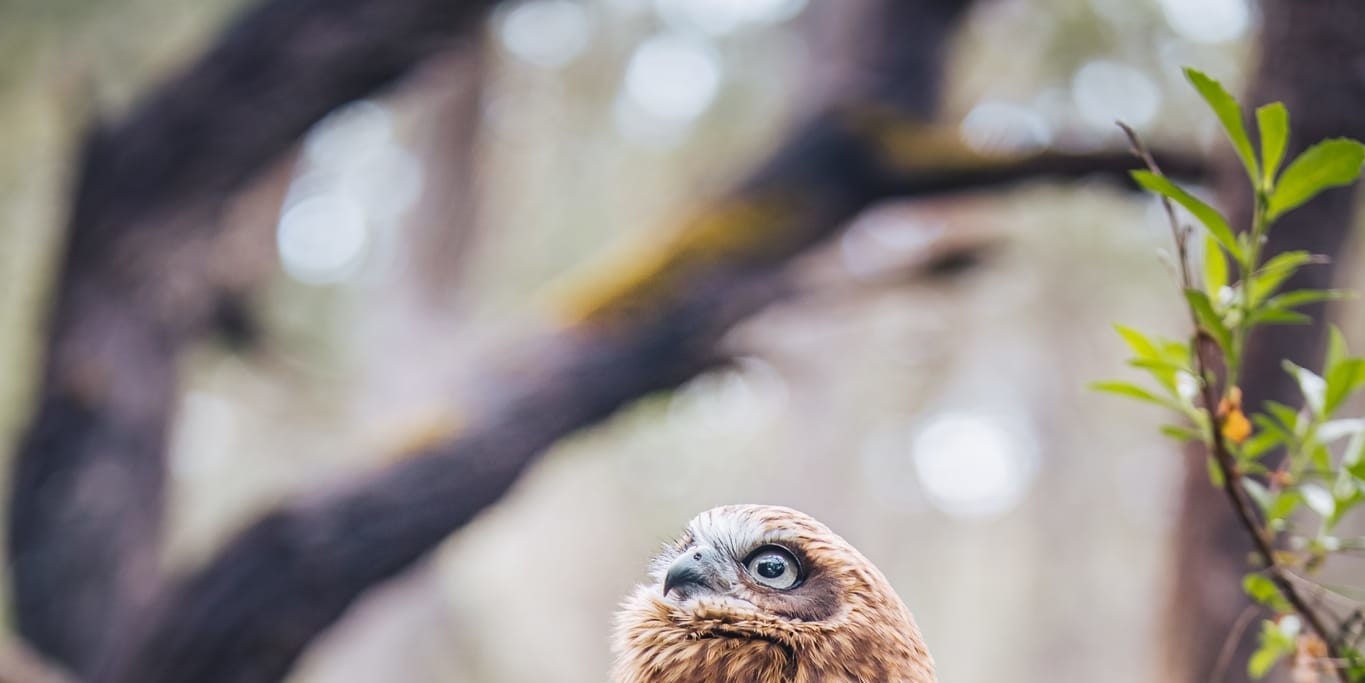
<point>940,423</point>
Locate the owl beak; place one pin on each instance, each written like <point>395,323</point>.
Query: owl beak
<point>697,568</point>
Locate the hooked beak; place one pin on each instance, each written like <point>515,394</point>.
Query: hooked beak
<point>696,569</point>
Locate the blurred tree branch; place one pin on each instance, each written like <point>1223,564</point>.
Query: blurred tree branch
<point>88,483</point>
<point>87,502</point>
<point>1303,47</point>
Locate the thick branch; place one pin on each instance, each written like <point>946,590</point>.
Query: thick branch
<point>87,497</point>
<point>651,323</point>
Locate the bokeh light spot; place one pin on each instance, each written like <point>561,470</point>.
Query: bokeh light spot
<point>718,17</point>
<point>996,127</point>
<point>1105,92</point>
<point>974,465</point>
<point>673,77</point>
<point>322,239</point>
<point>546,33</point>
<point>1208,21</point>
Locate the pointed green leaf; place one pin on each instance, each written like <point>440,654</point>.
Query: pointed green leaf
<point>1354,456</point>
<point>1303,297</point>
<point>1313,387</point>
<point>1261,443</point>
<point>1175,352</point>
<point>1318,499</point>
<point>1133,391</point>
<point>1348,499</point>
<point>1138,342</point>
<point>1278,316</point>
<point>1330,163</point>
<point>1215,472</point>
<point>1268,278</point>
<point>1272,120</point>
<point>1332,430</point>
<point>1336,348</point>
<point>1180,433</point>
<point>1164,373</point>
<point>1229,113</point>
<point>1264,591</point>
<point>1287,418</point>
<point>1212,220</point>
<point>1262,661</point>
<point>1264,424</point>
<point>1215,267</point>
<point>1318,455</point>
<point>1346,377</point>
<point>1283,505</point>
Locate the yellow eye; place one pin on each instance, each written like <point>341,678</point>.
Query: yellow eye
<point>774,567</point>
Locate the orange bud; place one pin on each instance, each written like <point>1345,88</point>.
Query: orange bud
<point>1235,425</point>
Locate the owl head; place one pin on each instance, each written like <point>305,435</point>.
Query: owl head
<point>765,594</point>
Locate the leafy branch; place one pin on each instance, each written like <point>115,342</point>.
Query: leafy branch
<point>1240,290</point>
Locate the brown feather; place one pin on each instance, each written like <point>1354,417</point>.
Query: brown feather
<point>842,624</point>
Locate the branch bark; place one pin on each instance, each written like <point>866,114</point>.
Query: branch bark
<point>88,482</point>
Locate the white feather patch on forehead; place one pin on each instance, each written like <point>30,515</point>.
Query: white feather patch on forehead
<point>740,529</point>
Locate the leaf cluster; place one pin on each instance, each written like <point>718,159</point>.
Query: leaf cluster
<point>1304,469</point>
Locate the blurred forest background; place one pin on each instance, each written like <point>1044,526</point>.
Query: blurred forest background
<point>919,386</point>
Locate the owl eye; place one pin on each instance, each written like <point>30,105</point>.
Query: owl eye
<point>774,567</point>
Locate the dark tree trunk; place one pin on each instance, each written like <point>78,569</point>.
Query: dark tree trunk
<point>88,482</point>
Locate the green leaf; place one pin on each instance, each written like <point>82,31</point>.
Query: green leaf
<point>1181,433</point>
<point>1277,640</point>
<point>1261,443</point>
<point>1333,430</point>
<point>1319,456</point>
<point>1278,316</point>
<point>1138,342</point>
<point>1175,352</point>
<point>1265,424</point>
<point>1262,661</point>
<point>1274,272</point>
<point>1303,297</point>
<point>1347,495</point>
<point>1164,373</point>
<point>1353,460</point>
<point>1318,499</point>
<point>1215,267</point>
<point>1212,220</point>
<point>1133,391</point>
<point>1313,387</point>
<point>1336,348</point>
<point>1229,113</point>
<point>1215,472</point>
<point>1346,377</point>
<point>1283,505</point>
<point>1209,319</point>
<point>1330,163</point>
<point>1272,120</point>
<point>1286,417</point>
<point>1264,591</point>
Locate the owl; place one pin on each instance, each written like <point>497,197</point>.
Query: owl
<point>763,594</point>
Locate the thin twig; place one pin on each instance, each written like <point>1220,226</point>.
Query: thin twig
<point>1239,628</point>
<point>1223,458</point>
